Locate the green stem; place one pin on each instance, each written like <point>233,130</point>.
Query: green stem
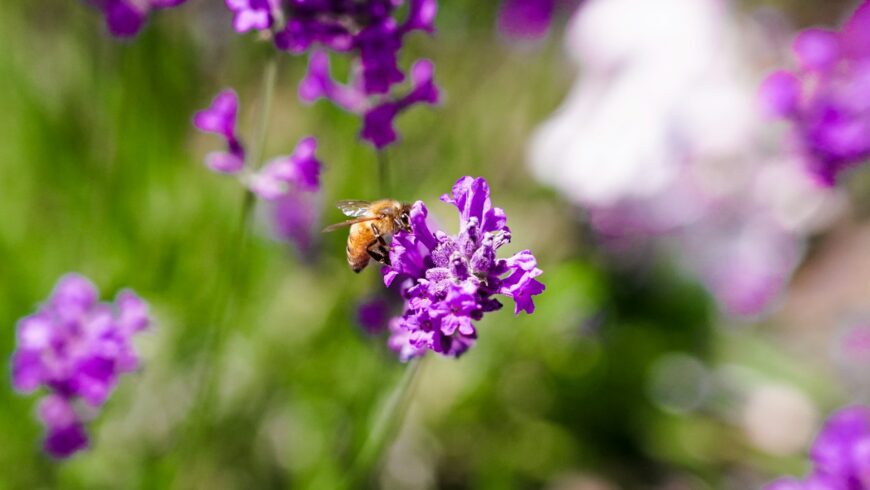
<point>235,257</point>
<point>386,425</point>
<point>384,174</point>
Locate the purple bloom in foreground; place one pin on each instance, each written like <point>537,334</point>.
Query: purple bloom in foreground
<point>220,118</point>
<point>125,18</point>
<point>76,348</point>
<point>449,281</point>
<point>827,99</point>
<point>840,454</point>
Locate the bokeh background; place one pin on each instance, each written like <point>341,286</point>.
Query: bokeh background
<point>630,374</point>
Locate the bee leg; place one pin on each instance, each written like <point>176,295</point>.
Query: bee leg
<point>377,250</point>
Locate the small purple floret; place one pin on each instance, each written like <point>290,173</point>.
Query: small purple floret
<point>76,348</point>
<point>449,281</point>
<point>220,118</point>
<point>840,454</point>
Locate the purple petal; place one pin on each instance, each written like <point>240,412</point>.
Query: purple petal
<point>73,296</point>
<point>855,35</point>
<point>64,442</point>
<point>525,19</point>
<point>220,116</point>
<point>832,448</point>
<point>816,49</point>
<point>224,162</point>
<point>421,15</point>
<point>780,93</point>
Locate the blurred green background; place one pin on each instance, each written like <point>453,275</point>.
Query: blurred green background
<point>616,381</point>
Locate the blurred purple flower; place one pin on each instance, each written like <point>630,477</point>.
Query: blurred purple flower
<point>220,118</point>
<point>840,454</point>
<point>451,280</point>
<point>373,315</point>
<point>827,99</point>
<point>378,121</point>
<point>125,18</point>
<point>525,19</point>
<point>76,348</point>
<point>372,35</point>
<point>378,113</point>
<point>287,184</point>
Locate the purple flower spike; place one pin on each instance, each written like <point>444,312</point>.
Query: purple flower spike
<point>841,454</point>
<point>378,127</point>
<point>76,348</point>
<point>827,100</point>
<point>449,281</point>
<point>220,118</point>
<point>125,18</point>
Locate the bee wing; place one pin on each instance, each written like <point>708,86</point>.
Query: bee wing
<point>354,209</point>
<point>347,223</point>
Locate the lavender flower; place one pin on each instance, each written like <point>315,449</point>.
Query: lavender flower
<point>451,280</point>
<point>287,184</point>
<point>125,18</point>
<point>369,29</point>
<point>378,113</point>
<point>76,348</point>
<point>220,118</point>
<point>827,99</point>
<point>840,454</point>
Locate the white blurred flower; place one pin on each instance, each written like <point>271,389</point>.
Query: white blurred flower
<point>661,137</point>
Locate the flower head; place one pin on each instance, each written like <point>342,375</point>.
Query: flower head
<point>125,18</point>
<point>372,34</point>
<point>220,118</point>
<point>451,280</point>
<point>840,454</point>
<point>827,99</point>
<point>76,347</point>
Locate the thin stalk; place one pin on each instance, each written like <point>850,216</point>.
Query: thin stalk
<point>384,174</point>
<point>235,257</point>
<point>386,425</point>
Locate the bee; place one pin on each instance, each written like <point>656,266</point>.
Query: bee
<point>372,223</point>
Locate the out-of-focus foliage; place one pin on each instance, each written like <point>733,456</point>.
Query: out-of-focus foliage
<point>101,173</point>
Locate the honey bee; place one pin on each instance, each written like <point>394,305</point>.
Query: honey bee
<point>372,223</point>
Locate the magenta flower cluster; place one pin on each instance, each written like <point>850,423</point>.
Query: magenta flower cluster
<point>76,348</point>
<point>286,182</point>
<point>840,455</point>
<point>125,18</point>
<point>378,113</point>
<point>827,99</point>
<point>449,281</point>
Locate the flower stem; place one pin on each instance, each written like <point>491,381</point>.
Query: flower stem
<point>227,293</point>
<point>383,174</point>
<point>386,425</point>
